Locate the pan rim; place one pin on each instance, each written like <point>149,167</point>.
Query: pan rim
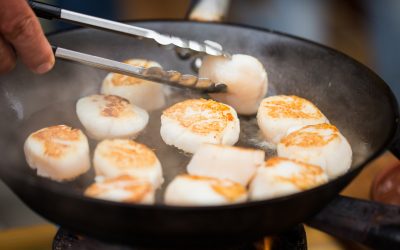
<point>58,189</point>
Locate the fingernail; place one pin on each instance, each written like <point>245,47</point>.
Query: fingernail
<point>43,68</point>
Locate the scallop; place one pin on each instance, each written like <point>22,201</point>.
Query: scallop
<point>58,152</point>
<point>143,93</point>
<point>124,188</point>
<point>279,115</point>
<point>188,124</point>
<point>191,190</point>
<point>281,176</point>
<point>110,116</point>
<point>116,157</point>
<point>244,76</point>
<point>226,162</point>
<point>322,145</point>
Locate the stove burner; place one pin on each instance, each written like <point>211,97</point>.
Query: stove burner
<point>293,239</point>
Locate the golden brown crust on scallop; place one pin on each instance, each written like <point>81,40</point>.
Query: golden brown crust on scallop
<point>126,153</point>
<point>230,190</point>
<point>304,179</point>
<point>311,136</point>
<point>54,137</point>
<point>137,189</point>
<point>201,116</point>
<point>115,106</point>
<point>290,107</point>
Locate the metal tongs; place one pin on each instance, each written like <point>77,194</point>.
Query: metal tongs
<point>170,77</point>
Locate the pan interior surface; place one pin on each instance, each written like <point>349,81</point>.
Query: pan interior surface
<point>346,93</point>
<point>352,97</point>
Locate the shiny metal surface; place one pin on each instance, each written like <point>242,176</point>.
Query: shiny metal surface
<point>105,24</point>
<point>156,74</point>
<point>207,47</point>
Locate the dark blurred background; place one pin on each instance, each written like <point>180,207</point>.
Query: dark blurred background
<point>367,30</point>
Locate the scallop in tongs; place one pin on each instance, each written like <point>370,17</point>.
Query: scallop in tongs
<point>244,76</point>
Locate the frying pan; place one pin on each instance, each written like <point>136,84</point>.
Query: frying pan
<point>355,99</point>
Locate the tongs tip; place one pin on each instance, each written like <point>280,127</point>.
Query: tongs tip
<point>217,88</point>
<point>215,49</point>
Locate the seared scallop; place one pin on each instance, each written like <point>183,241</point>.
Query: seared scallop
<point>322,145</point>
<point>118,157</point>
<point>190,123</point>
<point>282,176</point>
<point>245,77</point>
<point>145,94</point>
<point>191,190</point>
<point>58,152</point>
<point>122,188</point>
<point>278,115</point>
<point>110,116</point>
<point>226,162</point>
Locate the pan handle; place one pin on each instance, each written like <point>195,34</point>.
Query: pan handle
<point>371,223</point>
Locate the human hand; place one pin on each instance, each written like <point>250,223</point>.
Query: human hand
<point>21,35</point>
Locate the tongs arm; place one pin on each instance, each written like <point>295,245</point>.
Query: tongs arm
<point>52,12</point>
<point>169,77</point>
<point>156,74</point>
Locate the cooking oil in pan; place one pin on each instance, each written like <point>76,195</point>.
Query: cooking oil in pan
<point>173,161</point>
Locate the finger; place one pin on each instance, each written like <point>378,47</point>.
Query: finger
<point>20,27</point>
<point>7,57</point>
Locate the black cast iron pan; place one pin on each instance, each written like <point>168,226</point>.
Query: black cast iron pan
<point>355,99</point>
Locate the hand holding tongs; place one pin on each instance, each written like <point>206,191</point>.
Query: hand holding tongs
<point>169,77</point>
